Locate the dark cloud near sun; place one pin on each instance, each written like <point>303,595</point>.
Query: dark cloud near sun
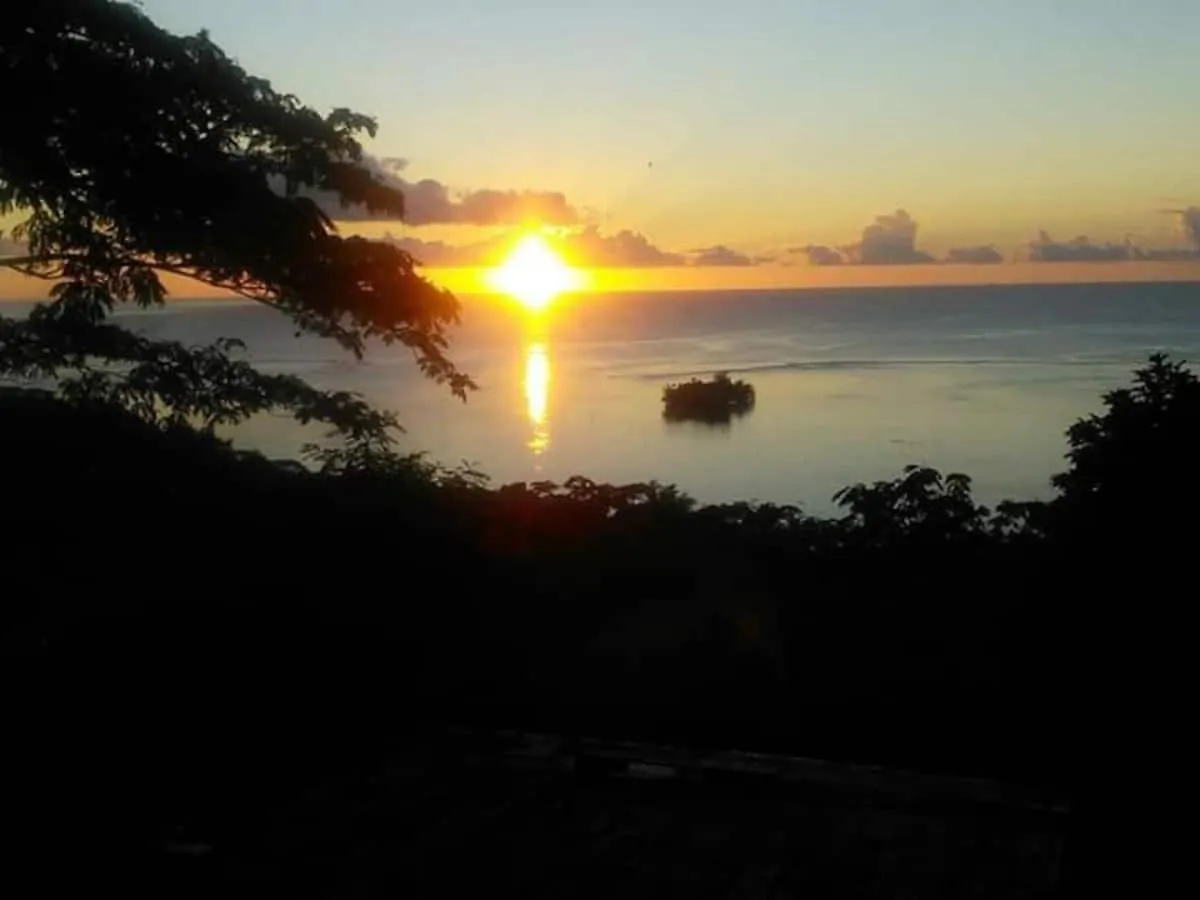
<point>439,254</point>
<point>585,248</point>
<point>624,249</point>
<point>983,254</point>
<point>429,202</point>
<point>633,250</point>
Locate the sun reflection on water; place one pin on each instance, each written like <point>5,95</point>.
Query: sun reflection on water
<point>537,396</point>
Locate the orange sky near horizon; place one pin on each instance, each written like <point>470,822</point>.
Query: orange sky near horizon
<point>15,287</point>
<point>472,281</point>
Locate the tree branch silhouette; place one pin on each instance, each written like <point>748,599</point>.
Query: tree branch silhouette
<point>143,153</point>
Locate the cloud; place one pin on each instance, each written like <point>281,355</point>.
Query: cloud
<point>429,202</point>
<point>625,249</point>
<point>888,241</point>
<point>632,249</point>
<point>820,255</point>
<point>1167,254</point>
<point>492,207</point>
<point>891,240</point>
<point>1189,224</point>
<point>981,254</point>
<point>439,254</point>
<point>720,255</point>
<point>1079,249</point>
<point>586,248</point>
<point>9,247</point>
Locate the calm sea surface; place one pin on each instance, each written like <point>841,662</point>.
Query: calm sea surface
<point>852,384</point>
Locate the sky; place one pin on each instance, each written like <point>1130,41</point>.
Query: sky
<point>774,137</point>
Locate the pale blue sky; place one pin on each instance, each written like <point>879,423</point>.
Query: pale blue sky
<point>769,122</point>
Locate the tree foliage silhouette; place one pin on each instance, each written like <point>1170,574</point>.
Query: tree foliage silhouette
<point>920,503</point>
<point>141,153</point>
<point>1139,455</point>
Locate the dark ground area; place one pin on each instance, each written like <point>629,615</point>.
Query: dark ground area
<point>457,814</point>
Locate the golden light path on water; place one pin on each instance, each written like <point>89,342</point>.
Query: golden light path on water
<point>537,396</point>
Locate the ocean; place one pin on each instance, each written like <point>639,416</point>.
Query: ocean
<point>852,384</point>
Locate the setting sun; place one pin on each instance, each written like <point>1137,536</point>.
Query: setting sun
<point>534,274</point>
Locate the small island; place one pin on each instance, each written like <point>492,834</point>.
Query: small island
<point>715,401</point>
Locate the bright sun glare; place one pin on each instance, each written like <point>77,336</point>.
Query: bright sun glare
<point>534,274</point>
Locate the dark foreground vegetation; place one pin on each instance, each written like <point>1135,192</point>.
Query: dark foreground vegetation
<point>716,401</point>
<point>197,630</point>
<point>205,647</point>
<point>163,553</point>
